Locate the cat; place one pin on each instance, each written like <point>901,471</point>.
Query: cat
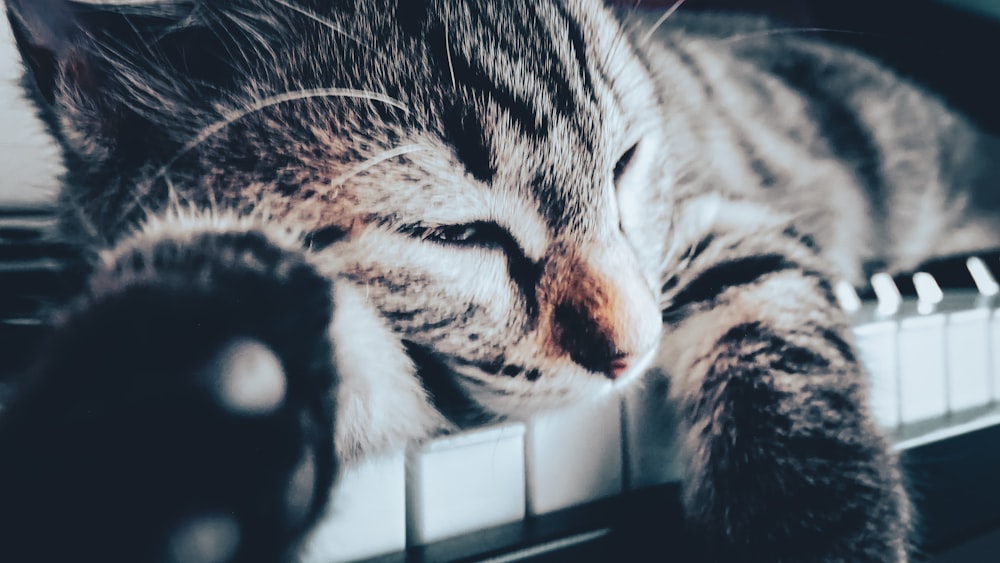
<point>414,216</point>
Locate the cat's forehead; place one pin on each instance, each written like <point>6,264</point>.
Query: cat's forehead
<point>518,91</point>
<point>539,64</point>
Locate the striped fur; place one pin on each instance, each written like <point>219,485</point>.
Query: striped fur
<point>531,202</point>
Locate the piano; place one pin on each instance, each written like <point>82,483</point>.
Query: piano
<point>598,482</point>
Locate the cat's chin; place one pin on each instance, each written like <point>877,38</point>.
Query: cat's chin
<point>557,388</point>
<point>635,370</point>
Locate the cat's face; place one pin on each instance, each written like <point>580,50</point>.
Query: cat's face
<point>479,169</point>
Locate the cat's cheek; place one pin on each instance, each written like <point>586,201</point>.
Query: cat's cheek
<point>542,384</point>
<point>459,302</point>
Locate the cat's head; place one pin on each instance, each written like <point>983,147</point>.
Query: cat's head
<point>482,169</point>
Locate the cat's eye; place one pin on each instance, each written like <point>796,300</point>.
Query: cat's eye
<point>322,238</point>
<point>454,234</point>
<point>480,233</point>
<point>624,161</point>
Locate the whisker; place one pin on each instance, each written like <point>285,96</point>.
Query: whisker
<point>139,202</point>
<point>788,31</point>
<point>670,11</point>
<point>173,197</point>
<point>447,52</point>
<point>375,160</point>
<point>630,14</point>
<point>320,19</point>
<point>259,105</point>
<point>260,45</point>
<point>84,222</point>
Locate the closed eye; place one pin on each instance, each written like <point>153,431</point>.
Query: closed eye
<point>483,234</point>
<point>321,238</point>
<point>524,271</point>
<point>624,161</point>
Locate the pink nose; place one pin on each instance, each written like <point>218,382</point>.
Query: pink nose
<point>617,367</point>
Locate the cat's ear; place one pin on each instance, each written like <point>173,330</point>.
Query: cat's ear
<point>109,70</point>
<point>56,48</point>
<point>47,34</point>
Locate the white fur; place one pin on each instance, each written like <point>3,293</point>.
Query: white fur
<point>380,403</point>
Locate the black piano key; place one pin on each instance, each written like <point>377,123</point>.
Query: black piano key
<point>866,293</point>
<point>14,211</point>
<point>37,250</point>
<point>25,306</point>
<point>55,283</point>
<point>904,283</point>
<point>16,234</point>
<point>950,273</point>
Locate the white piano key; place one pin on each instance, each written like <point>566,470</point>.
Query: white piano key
<point>928,290</point>
<point>968,355</point>
<point>983,278</point>
<point>574,455</point>
<point>366,515</point>
<point>876,342</point>
<point>889,298</point>
<point>923,380</point>
<point>651,444</point>
<point>465,482</point>
<point>847,296</point>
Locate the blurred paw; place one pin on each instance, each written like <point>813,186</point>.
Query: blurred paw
<point>182,410</point>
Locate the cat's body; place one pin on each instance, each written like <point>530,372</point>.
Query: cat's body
<point>535,205</point>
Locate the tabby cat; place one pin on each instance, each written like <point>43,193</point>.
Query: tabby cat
<point>325,228</point>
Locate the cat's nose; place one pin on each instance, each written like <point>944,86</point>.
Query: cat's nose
<point>598,311</point>
<point>587,344</point>
<point>617,367</point>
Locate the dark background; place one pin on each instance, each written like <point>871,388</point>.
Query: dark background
<point>953,51</point>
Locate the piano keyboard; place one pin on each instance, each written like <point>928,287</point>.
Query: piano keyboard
<point>516,490</point>
<point>37,272</point>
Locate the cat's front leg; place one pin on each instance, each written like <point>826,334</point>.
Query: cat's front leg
<point>785,462</point>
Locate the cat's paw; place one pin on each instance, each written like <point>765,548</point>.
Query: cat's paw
<point>182,410</point>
